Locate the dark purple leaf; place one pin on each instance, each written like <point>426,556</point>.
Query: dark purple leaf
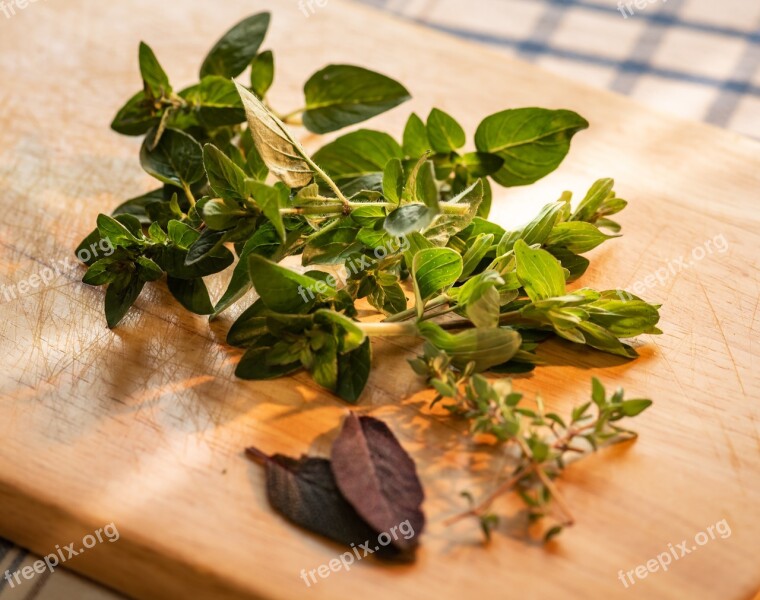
<point>304,491</point>
<point>376,475</point>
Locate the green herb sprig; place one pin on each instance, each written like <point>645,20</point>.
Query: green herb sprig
<point>543,440</point>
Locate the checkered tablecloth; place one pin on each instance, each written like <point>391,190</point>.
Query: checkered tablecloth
<point>695,58</point>
<point>61,585</point>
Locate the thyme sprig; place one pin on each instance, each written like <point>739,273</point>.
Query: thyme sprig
<point>544,441</point>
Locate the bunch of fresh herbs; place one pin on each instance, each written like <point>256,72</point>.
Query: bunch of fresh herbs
<point>233,183</point>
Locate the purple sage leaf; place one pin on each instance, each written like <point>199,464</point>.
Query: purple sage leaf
<point>376,475</point>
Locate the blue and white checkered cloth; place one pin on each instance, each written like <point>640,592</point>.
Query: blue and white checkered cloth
<point>698,59</point>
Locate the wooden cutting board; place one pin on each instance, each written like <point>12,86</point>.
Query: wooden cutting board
<point>145,426</point>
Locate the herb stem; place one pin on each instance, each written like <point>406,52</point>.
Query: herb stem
<point>326,178</point>
<point>454,209</point>
<point>478,510</point>
<point>556,496</point>
<point>256,454</point>
<point>334,209</point>
<point>331,208</point>
<point>384,329</point>
<point>327,227</point>
<point>380,204</point>
<point>509,318</point>
<point>188,193</point>
<point>411,312</point>
<point>440,313</point>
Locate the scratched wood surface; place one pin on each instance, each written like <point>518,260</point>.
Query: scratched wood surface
<point>145,426</point>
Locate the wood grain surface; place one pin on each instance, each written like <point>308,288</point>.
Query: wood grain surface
<point>145,426</point>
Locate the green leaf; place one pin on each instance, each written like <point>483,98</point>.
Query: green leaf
<point>375,238</point>
<point>253,365</point>
<point>173,261</point>
<point>132,224</point>
<point>368,216</point>
<point>532,141</point>
<point>448,223</point>
<point>420,185</point>
<point>101,272</point>
<point>598,394</point>
<point>408,218</point>
<point>262,73</point>
<point>215,102</point>
<point>480,225</point>
<point>353,372</point>
<point>161,212</point>
<point>576,236</point>
<point>485,204</point>
<point>444,133</point>
<point>477,248</point>
<point>575,264</point>
<point>341,95</point>
<point>281,153</point>
<point>367,187</point>
<point>234,51</point>
<point>539,449</point>
<point>119,297</point>
<point>181,234</point>
<point>623,317</point>
<point>416,242</point>
<point>350,335</point>
<point>388,298</point>
<point>539,272</point>
<point>147,269</point>
<point>631,408</point>
<point>192,294</point>
<point>213,262</point>
<point>226,178</point>
<point>435,269</point>
<point>282,290</point>
<point>250,326</point>
<point>270,200</point>
<point>393,180</point>
<point>137,116</point>
<point>444,389</point>
<point>177,159</point>
<point>552,532</point>
<point>596,195</point>
<point>415,140</point>
<point>218,215</point>
<point>579,412</point>
<point>535,232</point>
<point>210,257</point>
<point>483,307</point>
<point>116,233</point>
<point>96,246</point>
<point>332,245</point>
<point>357,154</point>
<point>601,339</point>
<point>484,347</point>
<point>138,206</point>
<point>154,77</point>
<point>324,367</point>
<point>207,242</point>
<point>254,165</point>
<point>481,164</point>
<point>265,242</point>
